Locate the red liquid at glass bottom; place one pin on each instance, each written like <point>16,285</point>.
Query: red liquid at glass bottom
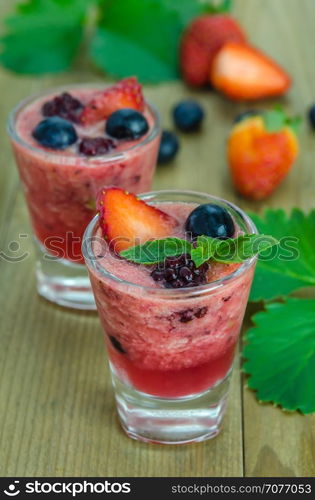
<point>173,383</point>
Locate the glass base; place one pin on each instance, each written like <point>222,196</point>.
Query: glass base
<point>63,282</point>
<point>171,421</point>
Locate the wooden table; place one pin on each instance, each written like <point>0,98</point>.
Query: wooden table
<point>57,409</point>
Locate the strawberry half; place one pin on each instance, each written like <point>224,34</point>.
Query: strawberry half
<point>244,72</point>
<point>125,94</point>
<point>127,221</point>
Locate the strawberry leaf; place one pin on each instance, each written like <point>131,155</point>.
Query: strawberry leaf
<point>130,36</point>
<point>141,38</point>
<point>280,354</point>
<point>43,35</point>
<point>186,10</point>
<point>291,265</point>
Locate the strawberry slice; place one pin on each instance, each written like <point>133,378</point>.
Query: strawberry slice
<point>127,221</point>
<point>125,94</point>
<point>243,72</point>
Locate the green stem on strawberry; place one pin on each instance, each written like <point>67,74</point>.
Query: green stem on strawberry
<point>276,119</point>
<point>218,6</point>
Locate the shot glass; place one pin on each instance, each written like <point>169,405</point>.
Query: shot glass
<point>170,351</point>
<point>60,191</point>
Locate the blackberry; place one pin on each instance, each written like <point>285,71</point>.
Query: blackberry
<point>189,314</point>
<point>93,146</point>
<point>65,105</point>
<point>179,272</point>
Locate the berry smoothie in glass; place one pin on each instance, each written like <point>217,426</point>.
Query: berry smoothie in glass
<point>171,319</point>
<point>68,143</point>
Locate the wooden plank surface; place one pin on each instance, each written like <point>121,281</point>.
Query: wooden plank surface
<point>56,406</point>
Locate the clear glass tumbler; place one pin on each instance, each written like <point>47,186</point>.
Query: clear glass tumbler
<point>60,191</point>
<point>170,351</point>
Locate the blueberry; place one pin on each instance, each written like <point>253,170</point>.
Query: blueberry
<point>188,115</point>
<point>126,124</point>
<point>55,133</point>
<point>210,220</point>
<point>311,115</point>
<point>246,114</point>
<point>169,146</point>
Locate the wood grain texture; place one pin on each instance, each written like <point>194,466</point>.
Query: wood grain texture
<point>56,405</point>
<point>278,444</point>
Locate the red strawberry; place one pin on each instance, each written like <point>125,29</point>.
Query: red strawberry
<point>261,151</point>
<point>243,72</point>
<point>127,221</point>
<point>200,43</point>
<point>125,94</point>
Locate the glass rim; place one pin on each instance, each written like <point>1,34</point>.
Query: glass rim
<point>108,157</point>
<point>92,261</point>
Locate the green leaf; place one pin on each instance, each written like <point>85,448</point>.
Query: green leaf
<point>200,254</point>
<point>227,251</point>
<point>156,251</point>
<point>133,59</point>
<point>276,119</point>
<point>231,250</point>
<point>218,6</point>
<point>43,35</point>
<point>280,355</point>
<point>131,37</point>
<point>186,9</point>
<point>141,37</point>
<point>291,265</point>
<point>294,123</point>
<point>243,247</point>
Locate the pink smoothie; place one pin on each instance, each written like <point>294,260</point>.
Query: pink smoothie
<point>61,186</point>
<point>164,342</point>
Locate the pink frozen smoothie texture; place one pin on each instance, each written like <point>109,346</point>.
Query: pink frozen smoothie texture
<point>30,116</point>
<point>61,186</point>
<point>161,330</point>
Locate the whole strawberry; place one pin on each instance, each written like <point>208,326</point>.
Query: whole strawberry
<point>201,41</point>
<point>261,150</point>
